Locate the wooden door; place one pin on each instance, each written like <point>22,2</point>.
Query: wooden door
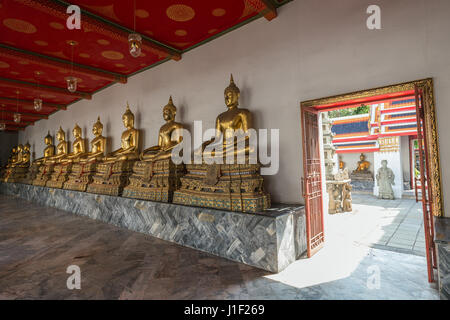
<point>425,185</point>
<point>312,181</point>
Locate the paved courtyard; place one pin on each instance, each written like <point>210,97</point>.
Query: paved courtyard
<point>395,225</point>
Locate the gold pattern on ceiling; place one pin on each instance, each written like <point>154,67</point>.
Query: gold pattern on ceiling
<point>19,25</point>
<point>180,13</point>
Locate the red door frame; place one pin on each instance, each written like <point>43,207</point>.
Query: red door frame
<point>314,225</point>
<point>428,216</point>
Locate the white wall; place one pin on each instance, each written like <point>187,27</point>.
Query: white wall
<point>406,166</point>
<point>313,49</point>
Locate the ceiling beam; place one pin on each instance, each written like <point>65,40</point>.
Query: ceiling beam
<point>34,57</point>
<point>25,114</point>
<point>21,124</point>
<point>109,28</point>
<point>14,128</point>
<point>17,84</point>
<point>30,103</point>
<point>265,8</point>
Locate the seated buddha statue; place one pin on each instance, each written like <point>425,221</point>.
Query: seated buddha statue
<point>79,146</point>
<point>233,120</point>
<point>26,155</point>
<point>43,166</point>
<point>61,148</point>
<point>17,161</point>
<point>112,173</point>
<point>98,144</point>
<point>84,170</point>
<point>165,143</point>
<point>363,165</point>
<point>12,157</point>
<point>49,150</point>
<point>155,177</point>
<point>231,186</point>
<point>61,161</point>
<point>129,141</point>
<point>15,164</point>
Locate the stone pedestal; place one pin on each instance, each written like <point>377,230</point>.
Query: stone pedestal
<point>81,176</point>
<point>269,240</point>
<point>45,172</point>
<point>111,178</point>
<point>154,180</point>
<point>234,187</point>
<point>15,174</point>
<point>362,181</point>
<point>31,174</point>
<point>60,175</point>
<point>338,202</point>
<point>442,241</point>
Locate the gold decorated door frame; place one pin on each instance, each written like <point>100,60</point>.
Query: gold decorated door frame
<point>429,125</point>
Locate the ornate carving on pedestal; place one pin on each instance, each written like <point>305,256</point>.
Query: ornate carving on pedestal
<point>339,192</point>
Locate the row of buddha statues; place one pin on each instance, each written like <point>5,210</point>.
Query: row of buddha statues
<point>150,174</point>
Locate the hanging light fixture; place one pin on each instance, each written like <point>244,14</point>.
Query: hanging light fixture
<point>17,115</point>
<point>134,39</point>
<point>38,101</point>
<point>71,80</point>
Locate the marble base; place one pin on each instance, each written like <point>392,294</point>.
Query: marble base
<point>111,178</point>
<point>442,241</point>
<point>270,240</point>
<point>363,185</point>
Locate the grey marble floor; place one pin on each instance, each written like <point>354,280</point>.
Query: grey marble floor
<point>37,244</point>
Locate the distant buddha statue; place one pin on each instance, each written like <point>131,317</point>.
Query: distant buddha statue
<point>79,146</point>
<point>61,148</point>
<point>98,144</point>
<point>341,163</point>
<point>12,157</point>
<point>26,155</point>
<point>19,153</point>
<point>129,141</point>
<point>363,165</point>
<point>165,143</point>
<point>233,120</point>
<point>49,150</point>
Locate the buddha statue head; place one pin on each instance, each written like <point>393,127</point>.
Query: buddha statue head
<point>362,157</point>
<point>97,129</point>
<point>169,111</point>
<point>14,150</point>
<point>27,147</point>
<point>61,135</point>
<point>232,94</point>
<point>76,131</point>
<point>128,118</point>
<point>19,148</point>
<point>48,139</point>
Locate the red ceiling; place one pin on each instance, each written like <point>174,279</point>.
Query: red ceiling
<point>34,37</point>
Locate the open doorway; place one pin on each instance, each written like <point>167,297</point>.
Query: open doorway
<point>373,154</point>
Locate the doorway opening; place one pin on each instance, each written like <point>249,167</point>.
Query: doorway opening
<point>371,168</point>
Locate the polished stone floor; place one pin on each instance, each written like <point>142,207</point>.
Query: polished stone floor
<point>37,245</point>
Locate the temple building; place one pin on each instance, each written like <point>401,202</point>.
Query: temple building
<point>224,150</point>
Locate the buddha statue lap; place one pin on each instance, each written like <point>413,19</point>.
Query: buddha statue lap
<point>113,172</point>
<point>237,186</point>
<point>84,169</point>
<point>155,177</point>
<point>62,163</point>
<point>44,169</point>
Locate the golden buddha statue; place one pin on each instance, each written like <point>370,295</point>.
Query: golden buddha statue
<point>19,164</point>
<point>156,177</point>
<point>13,157</point>
<point>49,150</point>
<point>363,165</point>
<point>112,174</point>
<point>83,171</point>
<point>236,186</point>
<point>341,164</point>
<point>62,148</point>
<point>62,160</point>
<point>43,165</point>
<point>129,141</point>
<point>233,120</point>
<point>79,146</point>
